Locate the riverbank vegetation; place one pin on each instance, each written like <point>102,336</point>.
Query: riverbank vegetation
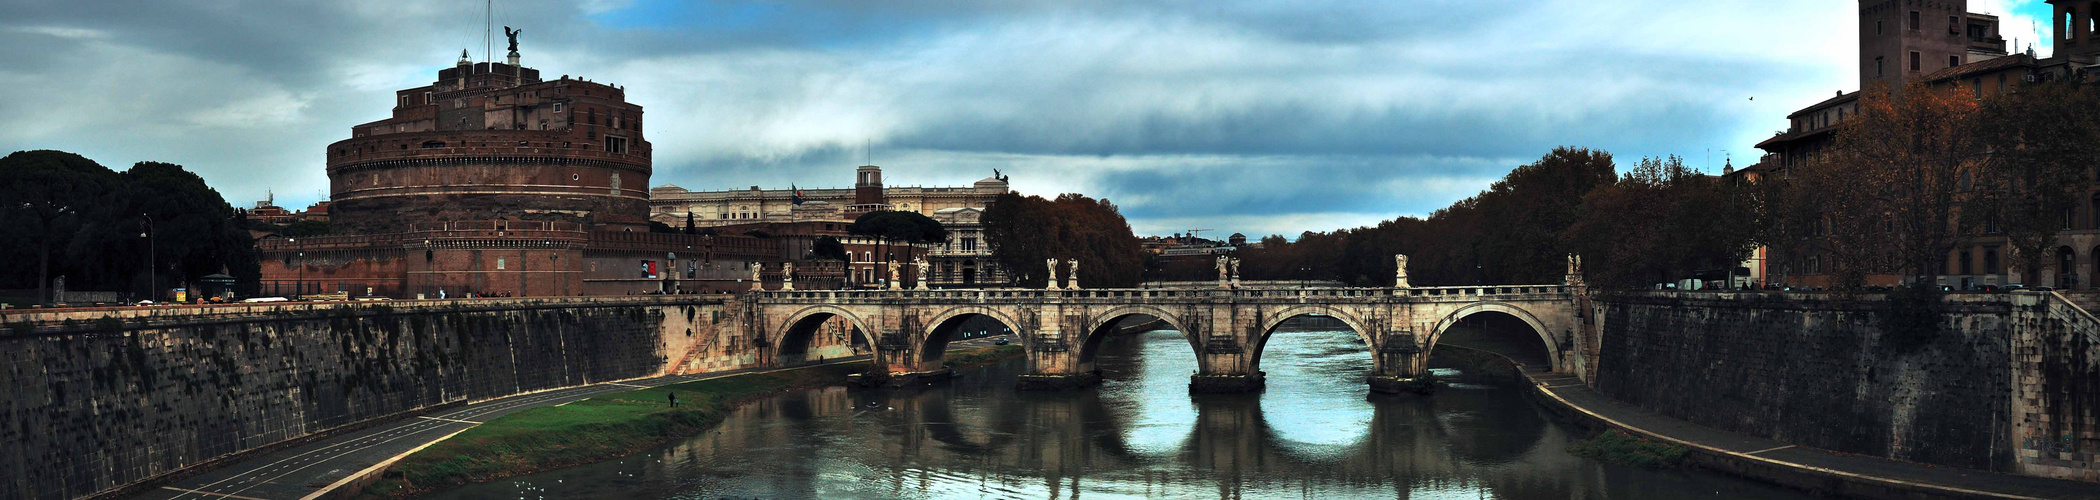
<point>1625,449</point>
<point>606,427</point>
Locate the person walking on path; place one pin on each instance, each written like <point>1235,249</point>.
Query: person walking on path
<point>674,399</point>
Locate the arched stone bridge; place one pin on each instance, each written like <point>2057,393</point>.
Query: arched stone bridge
<point>1062,329</point>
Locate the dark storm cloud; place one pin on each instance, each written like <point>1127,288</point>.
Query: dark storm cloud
<point>1271,116</point>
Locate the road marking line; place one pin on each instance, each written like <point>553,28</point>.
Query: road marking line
<point>540,397</point>
<point>375,468</point>
<point>449,420</point>
<point>210,493</point>
<point>1775,448</point>
<point>631,385</point>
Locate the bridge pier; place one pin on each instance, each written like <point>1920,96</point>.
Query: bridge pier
<point>1397,366</point>
<point>1057,381</point>
<point>1226,383</point>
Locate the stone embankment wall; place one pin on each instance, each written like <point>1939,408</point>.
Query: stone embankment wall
<point>2007,384</point>
<point>96,400</point>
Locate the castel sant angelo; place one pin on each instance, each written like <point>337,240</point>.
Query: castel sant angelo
<point>496,181</point>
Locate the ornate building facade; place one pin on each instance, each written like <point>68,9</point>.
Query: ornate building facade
<point>670,204</point>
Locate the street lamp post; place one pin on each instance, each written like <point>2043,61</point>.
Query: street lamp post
<point>152,258</point>
<point>300,286</point>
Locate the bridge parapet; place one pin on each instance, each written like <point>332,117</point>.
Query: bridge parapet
<point>1226,326</point>
<point>1019,295</point>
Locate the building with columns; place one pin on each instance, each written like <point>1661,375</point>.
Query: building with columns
<point>670,203</point>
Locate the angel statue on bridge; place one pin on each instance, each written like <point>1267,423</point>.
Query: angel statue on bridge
<point>1051,284</point>
<point>1072,282</point>
<point>1399,270</point>
<point>923,266</point>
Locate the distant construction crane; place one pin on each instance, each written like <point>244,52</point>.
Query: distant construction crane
<point>1194,232</point>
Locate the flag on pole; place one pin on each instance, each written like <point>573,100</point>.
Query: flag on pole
<point>797,195</point>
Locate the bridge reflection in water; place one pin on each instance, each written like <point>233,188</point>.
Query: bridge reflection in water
<point>1312,433</point>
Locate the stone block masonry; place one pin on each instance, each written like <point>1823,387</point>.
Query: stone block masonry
<point>2008,384</point>
<point>95,400</point>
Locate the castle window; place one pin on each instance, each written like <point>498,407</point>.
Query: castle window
<point>1953,25</point>
<point>557,108</point>
<point>1877,66</point>
<point>575,177</point>
<point>1953,61</point>
<point>499,263</point>
<point>1877,28</point>
<point>1914,20</point>
<point>1914,60</point>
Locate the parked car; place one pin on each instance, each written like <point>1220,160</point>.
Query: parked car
<point>265,299</point>
<point>1002,342</point>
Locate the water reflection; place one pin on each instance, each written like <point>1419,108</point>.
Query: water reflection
<point>1313,433</point>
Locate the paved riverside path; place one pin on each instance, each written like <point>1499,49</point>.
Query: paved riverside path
<point>1878,473</point>
<point>308,470</point>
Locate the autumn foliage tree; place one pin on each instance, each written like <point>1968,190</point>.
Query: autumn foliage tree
<point>2042,142</point>
<point>1509,233</point>
<point>1661,222</point>
<point>1900,162</point>
<point>1024,231</point>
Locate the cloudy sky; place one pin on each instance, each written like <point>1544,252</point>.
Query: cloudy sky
<point>1257,116</point>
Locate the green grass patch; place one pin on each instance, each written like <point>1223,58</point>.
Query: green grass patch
<point>981,356</point>
<point>606,427</point>
<point>1625,449</point>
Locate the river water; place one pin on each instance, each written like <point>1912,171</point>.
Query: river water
<point>1313,434</point>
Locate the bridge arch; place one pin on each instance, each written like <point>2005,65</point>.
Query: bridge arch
<point>796,334</point>
<point>1271,321</point>
<point>1512,310</point>
<point>1096,326</point>
<point>939,328</point>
